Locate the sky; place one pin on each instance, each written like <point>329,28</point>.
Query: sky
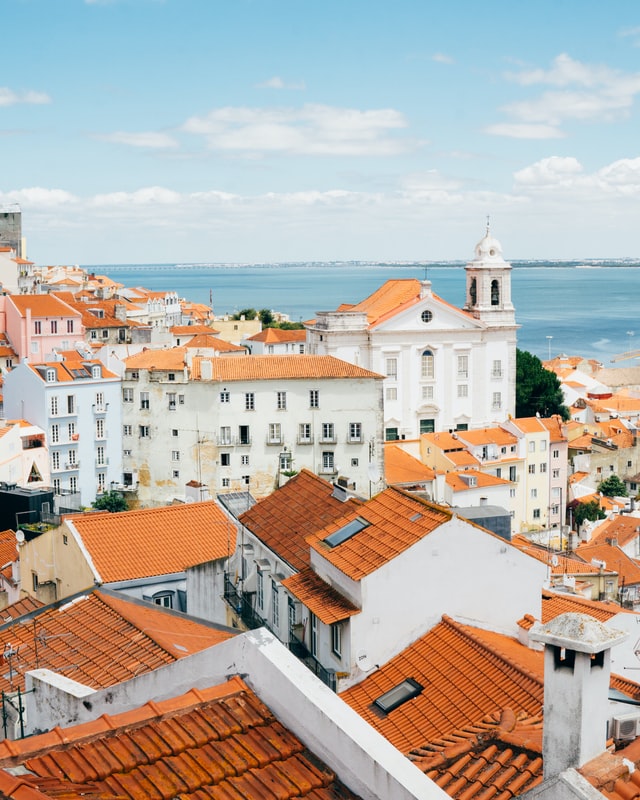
<point>162,131</point>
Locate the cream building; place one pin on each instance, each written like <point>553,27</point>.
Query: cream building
<point>444,367</point>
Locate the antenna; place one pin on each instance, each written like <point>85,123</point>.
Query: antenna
<point>363,661</point>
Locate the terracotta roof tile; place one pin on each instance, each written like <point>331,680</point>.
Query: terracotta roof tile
<point>396,520</point>
<point>279,335</point>
<point>173,358</point>
<point>284,519</point>
<point>211,341</point>
<point>459,481</point>
<point>560,563</point>
<point>621,527</point>
<point>154,541</point>
<point>615,558</point>
<point>556,603</point>
<point>402,468</point>
<point>100,640</point>
<point>221,742</point>
<point>277,367</point>
<point>192,330</point>
<point>23,606</point>
<point>42,305</point>
<point>493,435</point>
<point>8,544</point>
<point>320,598</point>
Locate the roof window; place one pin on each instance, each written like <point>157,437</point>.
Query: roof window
<point>406,690</point>
<point>346,532</point>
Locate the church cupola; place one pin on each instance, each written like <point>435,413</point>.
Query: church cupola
<point>488,295</point>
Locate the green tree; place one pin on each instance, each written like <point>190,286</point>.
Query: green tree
<point>538,390</point>
<point>266,317</point>
<point>587,511</point>
<point>110,501</point>
<point>612,487</point>
<point>247,313</point>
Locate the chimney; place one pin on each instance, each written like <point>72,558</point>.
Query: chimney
<point>577,670</point>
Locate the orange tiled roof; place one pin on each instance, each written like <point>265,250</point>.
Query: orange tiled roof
<point>400,467</point>
<point>456,480</point>
<point>8,544</point>
<point>615,558</point>
<point>560,563</point>
<point>193,330</point>
<point>25,605</point>
<point>279,336</point>
<point>529,424</point>
<point>462,458</point>
<point>465,674</point>
<point>501,756</point>
<point>211,341</point>
<point>101,640</point>
<point>494,435</point>
<point>154,541</point>
<point>73,368</point>
<point>397,520</point>
<point>174,358</point>
<point>556,603</point>
<point>284,519</point>
<point>622,527</point>
<point>319,597</point>
<point>387,299</point>
<point>277,367</point>
<point>220,742</point>
<point>42,305</point>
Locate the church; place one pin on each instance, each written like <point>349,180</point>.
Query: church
<point>445,368</point>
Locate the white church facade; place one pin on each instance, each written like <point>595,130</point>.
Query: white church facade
<point>445,367</point>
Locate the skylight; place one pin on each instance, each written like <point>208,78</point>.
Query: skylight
<point>347,531</point>
<point>408,689</point>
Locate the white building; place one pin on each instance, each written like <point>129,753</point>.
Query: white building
<point>247,423</point>
<point>445,367</point>
<point>24,457</point>
<point>77,403</point>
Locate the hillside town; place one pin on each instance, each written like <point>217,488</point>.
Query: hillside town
<point>241,561</point>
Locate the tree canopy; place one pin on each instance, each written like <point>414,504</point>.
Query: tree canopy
<point>538,390</point>
<point>612,487</point>
<point>267,319</point>
<point>587,511</point>
<point>110,501</point>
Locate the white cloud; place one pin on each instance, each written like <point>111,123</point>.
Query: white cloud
<point>278,83</point>
<point>150,196</point>
<point>146,139</point>
<point>442,58</point>
<point>10,98</point>
<point>578,91</point>
<point>517,130</point>
<point>566,175</point>
<point>549,172</point>
<point>38,197</point>
<point>309,130</point>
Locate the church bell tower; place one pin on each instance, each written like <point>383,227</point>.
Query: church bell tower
<point>488,295</point>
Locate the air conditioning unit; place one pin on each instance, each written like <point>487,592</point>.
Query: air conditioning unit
<point>625,726</point>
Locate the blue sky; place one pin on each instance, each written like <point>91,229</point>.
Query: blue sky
<point>142,131</point>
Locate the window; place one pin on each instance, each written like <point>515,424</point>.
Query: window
<point>496,369</point>
<point>534,494</point>
<point>225,397</point>
<point>51,376</point>
<point>496,401</point>
<point>99,399</point>
<point>127,430</point>
<point>180,399</point>
<point>463,367</point>
<point>427,425</point>
<point>328,432</point>
<point>463,390</point>
<point>71,404</point>
<point>314,635</point>
<point>54,326</point>
<point>498,472</point>
<point>250,401</point>
<point>336,639</point>
<point>270,349</point>
<point>543,445</point>
<point>105,333</point>
<point>532,469</point>
<point>246,479</point>
<point>473,291</point>
<point>225,435</point>
<point>543,467</point>
<point>354,462</point>
<point>69,326</point>
<point>555,473</point>
<point>56,485</point>
<point>55,434</point>
<point>275,433</point>
<point>73,458</point>
<point>304,433</point>
<point>225,459</point>
<point>495,293</point>
<point>164,599</point>
<point>175,455</point>
<point>426,315</point>
<point>37,327</point>
<point>144,400</point>
<point>512,492</point>
<point>391,368</point>
<point>536,513</point>
<point>391,393</point>
<point>555,491</point>
<point>286,462</point>
<point>513,474</point>
<point>100,459</point>
<point>99,429</point>
<point>327,462</point>
<point>175,432</point>
<point>556,454</point>
<point>244,460</point>
<point>314,398</point>
<point>532,447</point>
<point>391,434</point>
<point>73,484</point>
<point>406,690</point>
<point>171,376</point>
<point>355,431</point>
<point>94,334</point>
<point>427,392</point>
<point>225,483</point>
<point>127,395</point>
<point>34,581</point>
<point>555,509</point>
<point>260,588</point>
<point>171,398</point>
<point>126,452</point>
<point>427,364</point>
<point>144,431</point>
<point>243,434</point>
<point>281,400</point>
<point>55,460</point>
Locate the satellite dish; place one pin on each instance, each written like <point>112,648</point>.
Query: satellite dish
<point>374,473</point>
<point>363,661</point>
<point>20,536</point>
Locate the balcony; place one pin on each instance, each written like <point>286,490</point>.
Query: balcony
<point>330,439</point>
<point>100,408</point>
<point>102,462</point>
<point>274,440</point>
<point>302,440</point>
<point>327,469</point>
<point>242,604</point>
<point>300,651</point>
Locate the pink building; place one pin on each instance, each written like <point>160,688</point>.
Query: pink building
<point>38,324</point>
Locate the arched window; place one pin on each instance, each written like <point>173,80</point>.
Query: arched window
<point>473,292</point>
<point>427,364</point>
<point>495,293</point>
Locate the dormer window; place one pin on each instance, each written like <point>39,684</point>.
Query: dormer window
<point>96,371</point>
<point>51,375</point>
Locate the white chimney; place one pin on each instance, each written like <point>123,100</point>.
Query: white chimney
<point>577,670</point>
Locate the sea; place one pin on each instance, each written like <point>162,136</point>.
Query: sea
<point>585,308</point>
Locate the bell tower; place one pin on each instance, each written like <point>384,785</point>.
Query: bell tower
<point>488,295</point>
